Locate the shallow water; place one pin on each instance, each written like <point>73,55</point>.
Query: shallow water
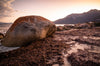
<point>6,49</point>
<point>63,24</point>
<point>75,46</point>
<point>60,24</point>
<point>3,29</point>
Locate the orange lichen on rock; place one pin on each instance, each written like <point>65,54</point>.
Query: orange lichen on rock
<point>30,19</point>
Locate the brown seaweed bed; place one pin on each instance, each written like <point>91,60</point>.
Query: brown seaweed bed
<point>75,47</point>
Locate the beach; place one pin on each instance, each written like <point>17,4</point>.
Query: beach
<point>75,47</point>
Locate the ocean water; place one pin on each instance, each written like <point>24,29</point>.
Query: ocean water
<point>64,24</point>
<point>60,24</point>
<point>3,29</point>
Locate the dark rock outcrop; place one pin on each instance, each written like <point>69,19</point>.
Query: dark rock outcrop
<point>27,29</point>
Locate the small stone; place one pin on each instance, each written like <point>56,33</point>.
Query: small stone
<point>60,28</point>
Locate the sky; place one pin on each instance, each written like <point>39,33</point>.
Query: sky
<point>10,10</point>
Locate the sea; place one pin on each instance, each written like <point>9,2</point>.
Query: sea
<point>3,29</point>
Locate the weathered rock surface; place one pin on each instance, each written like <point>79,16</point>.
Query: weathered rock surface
<point>76,47</point>
<point>67,26</point>
<point>85,25</point>
<point>60,28</point>
<point>1,35</point>
<point>27,29</point>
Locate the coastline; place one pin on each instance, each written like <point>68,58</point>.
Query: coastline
<point>66,47</point>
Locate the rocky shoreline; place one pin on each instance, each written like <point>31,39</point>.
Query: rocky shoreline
<point>75,47</point>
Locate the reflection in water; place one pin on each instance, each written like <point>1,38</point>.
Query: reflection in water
<point>6,49</point>
<point>77,46</point>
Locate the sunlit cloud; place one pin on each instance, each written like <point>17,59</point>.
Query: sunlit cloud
<point>50,9</point>
<point>5,8</point>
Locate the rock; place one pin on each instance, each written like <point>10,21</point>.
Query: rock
<point>68,26</point>
<point>84,58</point>
<point>83,26</point>
<point>27,29</point>
<point>1,35</point>
<point>96,24</point>
<point>60,28</point>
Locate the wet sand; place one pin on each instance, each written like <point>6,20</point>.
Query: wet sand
<point>76,47</point>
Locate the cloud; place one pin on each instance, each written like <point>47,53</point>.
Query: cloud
<point>5,8</point>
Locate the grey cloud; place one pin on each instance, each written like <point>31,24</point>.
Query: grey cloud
<point>5,8</point>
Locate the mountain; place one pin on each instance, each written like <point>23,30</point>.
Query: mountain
<point>4,24</point>
<point>92,15</point>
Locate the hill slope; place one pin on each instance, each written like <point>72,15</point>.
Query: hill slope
<point>92,15</point>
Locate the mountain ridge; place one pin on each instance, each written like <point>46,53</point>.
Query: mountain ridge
<point>90,16</point>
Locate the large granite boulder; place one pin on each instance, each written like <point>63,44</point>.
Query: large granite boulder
<point>27,29</point>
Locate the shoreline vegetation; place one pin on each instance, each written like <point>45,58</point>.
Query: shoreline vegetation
<point>68,47</point>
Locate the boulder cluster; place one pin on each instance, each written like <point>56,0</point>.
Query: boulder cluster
<point>77,26</point>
